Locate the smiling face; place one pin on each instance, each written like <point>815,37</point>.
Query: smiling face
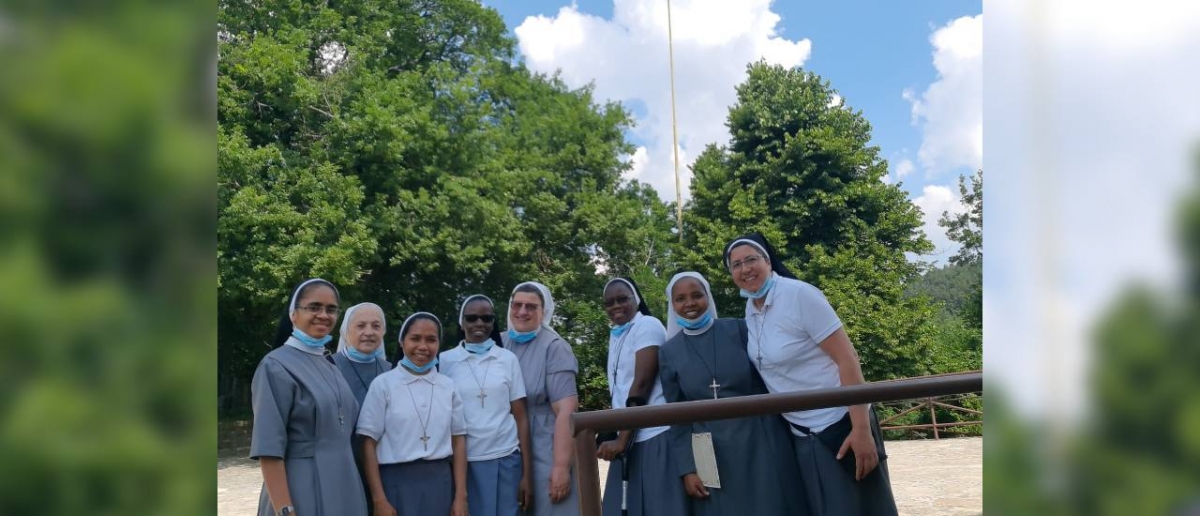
<point>525,310</point>
<point>421,341</point>
<point>619,303</point>
<point>748,267</point>
<point>308,318</point>
<point>365,331</point>
<point>478,320</point>
<point>688,298</point>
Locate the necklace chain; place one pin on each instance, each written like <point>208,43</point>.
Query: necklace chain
<point>428,413</point>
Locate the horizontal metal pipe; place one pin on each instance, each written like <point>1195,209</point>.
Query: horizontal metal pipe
<point>728,408</point>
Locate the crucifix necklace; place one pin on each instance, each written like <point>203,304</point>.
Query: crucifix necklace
<point>716,361</point>
<point>481,394</point>
<point>334,386</point>
<point>762,322</point>
<point>428,412</point>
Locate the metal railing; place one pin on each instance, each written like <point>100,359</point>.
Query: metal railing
<point>585,425</point>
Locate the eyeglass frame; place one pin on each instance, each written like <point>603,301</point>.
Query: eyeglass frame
<point>316,308</point>
<point>749,260</point>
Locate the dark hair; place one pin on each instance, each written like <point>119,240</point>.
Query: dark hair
<point>408,324</point>
<point>462,332</point>
<point>642,307</point>
<point>284,330</point>
<point>756,237</point>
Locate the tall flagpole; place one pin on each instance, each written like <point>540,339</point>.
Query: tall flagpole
<point>674,128</point>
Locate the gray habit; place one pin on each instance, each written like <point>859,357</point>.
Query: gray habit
<point>295,399</point>
<point>549,368</point>
<point>755,458</point>
<point>359,377</point>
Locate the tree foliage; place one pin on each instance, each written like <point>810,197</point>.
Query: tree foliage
<point>396,150</point>
<point>800,169</point>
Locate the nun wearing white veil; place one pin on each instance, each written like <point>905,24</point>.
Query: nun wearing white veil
<point>705,358</point>
<point>549,367</point>
<point>360,357</point>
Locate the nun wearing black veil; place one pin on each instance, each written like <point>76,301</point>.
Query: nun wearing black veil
<point>705,358</point>
<point>305,414</point>
<point>796,342</point>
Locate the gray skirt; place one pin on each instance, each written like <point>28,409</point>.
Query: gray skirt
<point>655,488</point>
<point>492,486</point>
<point>830,484</point>
<point>418,488</point>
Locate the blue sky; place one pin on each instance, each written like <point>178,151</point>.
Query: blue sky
<point>878,55</point>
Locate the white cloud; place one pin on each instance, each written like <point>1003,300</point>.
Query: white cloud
<point>626,58</point>
<point>950,111</point>
<point>903,168</point>
<point>934,201</point>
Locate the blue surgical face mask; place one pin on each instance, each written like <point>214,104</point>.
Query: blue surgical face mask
<point>309,341</point>
<point>418,369</point>
<point>521,337</point>
<point>695,324</point>
<point>365,358</point>
<point>762,291</point>
<point>479,348</point>
<point>617,331</point>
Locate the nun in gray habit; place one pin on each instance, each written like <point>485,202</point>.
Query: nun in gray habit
<point>705,358</point>
<point>360,357</point>
<point>304,415</point>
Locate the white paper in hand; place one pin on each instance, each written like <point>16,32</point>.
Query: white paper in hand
<point>706,459</point>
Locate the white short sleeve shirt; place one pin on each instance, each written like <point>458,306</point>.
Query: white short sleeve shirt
<point>496,375</point>
<point>645,332</point>
<point>785,346</point>
<point>401,407</point>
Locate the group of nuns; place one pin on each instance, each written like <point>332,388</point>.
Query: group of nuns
<point>483,428</point>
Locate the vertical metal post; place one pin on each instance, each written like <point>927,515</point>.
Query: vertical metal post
<point>587,473</point>
<point>933,418</point>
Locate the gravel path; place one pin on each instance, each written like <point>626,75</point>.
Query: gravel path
<point>928,478</point>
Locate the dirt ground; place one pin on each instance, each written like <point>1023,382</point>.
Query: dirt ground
<point>928,478</point>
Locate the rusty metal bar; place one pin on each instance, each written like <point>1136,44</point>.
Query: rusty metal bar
<point>953,407</point>
<point>933,418</point>
<point>926,426</point>
<point>712,410</point>
<point>587,472</point>
<point>906,411</point>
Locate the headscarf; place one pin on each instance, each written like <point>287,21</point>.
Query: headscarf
<point>344,343</point>
<point>637,294</point>
<point>462,331</point>
<point>404,329</point>
<point>673,325</point>
<point>760,243</point>
<point>284,330</point>
<point>547,305</point>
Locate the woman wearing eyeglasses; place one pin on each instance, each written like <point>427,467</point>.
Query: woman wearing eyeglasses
<point>654,486</point>
<point>796,342</point>
<point>360,357</point>
<point>304,415</point>
<point>488,378</point>
<point>549,367</point>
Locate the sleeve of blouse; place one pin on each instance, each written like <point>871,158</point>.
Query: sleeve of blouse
<point>561,368</point>
<point>518,380</point>
<point>458,422</point>
<point>650,333</point>
<point>818,318</point>
<point>272,392</point>
<point>374,410</point>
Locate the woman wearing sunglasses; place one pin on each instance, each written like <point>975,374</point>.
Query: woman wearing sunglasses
<point>488,378</point>
<point>654,486</point>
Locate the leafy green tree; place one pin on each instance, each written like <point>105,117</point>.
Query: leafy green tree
<point>967,230</point>
<point>397,151</point>
<point>800,169</point>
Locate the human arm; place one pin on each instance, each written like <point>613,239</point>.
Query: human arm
<point>459,506</point>
<point>374,480</point>
<point>524,440</point>
<point>860,440</point>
